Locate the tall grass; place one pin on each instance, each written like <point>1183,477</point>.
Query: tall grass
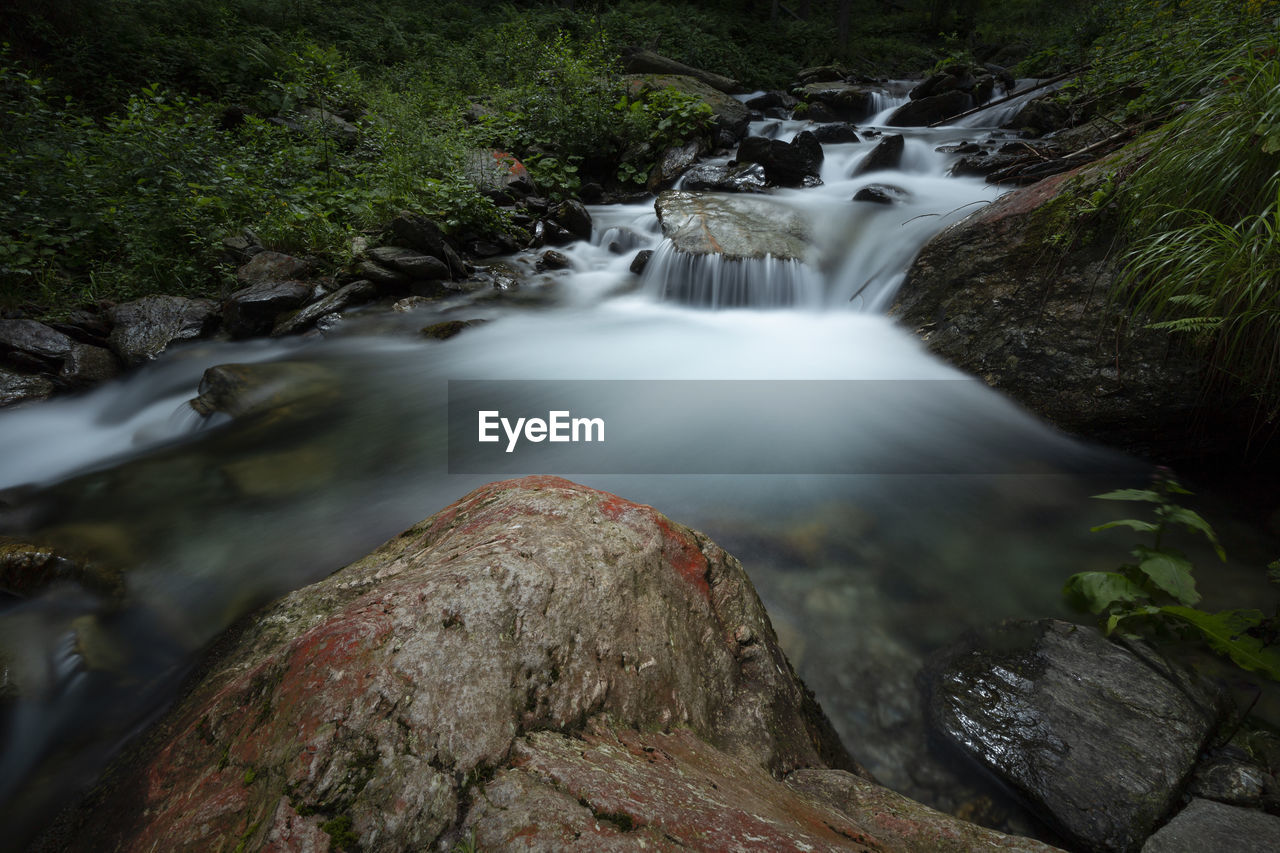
<point>1204,214</point>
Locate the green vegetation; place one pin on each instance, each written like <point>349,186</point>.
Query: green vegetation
<point>1156,594</point>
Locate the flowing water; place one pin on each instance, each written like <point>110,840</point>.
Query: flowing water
<point>960,508</point>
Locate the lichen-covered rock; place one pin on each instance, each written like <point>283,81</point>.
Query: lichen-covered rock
<point>146,327</point>
<point>1098,739</point>
<point>1020,294</point>
<point>735,226</point>
<point>378,704</point>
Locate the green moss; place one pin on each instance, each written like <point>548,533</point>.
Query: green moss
<point>340,830</point>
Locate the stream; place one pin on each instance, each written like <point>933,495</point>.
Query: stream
<point>952,508</point>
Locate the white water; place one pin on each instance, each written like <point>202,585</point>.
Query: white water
<point>205,547</point>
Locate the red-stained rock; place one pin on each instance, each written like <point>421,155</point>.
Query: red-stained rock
<point>539,666</point>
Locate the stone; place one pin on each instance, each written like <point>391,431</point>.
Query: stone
<point>648,62</point>
<point>534,639</point>
<point>735,226</point>
<point>1041,115</point>
<point>87,365</point>
<point>349,294</point>
<point>31,346</point>
<point>1229,776</point>
<point>253,310</point>
<point>931,110</point>
<point>384,278</point>
<point>982,164</point>
<point>822,74</point>
<point>143,329</point>
<point>846,101</point>
<point>773,100</point>
<point>881,194</point>
<point>415,231</point>
<point>1205,825</point>
<point>572,215</point>
<point>886,155</point>
<point>787,164</point>
<point>449,328</point>
<point>674,162</point>
<point>22,387</point>
<point>416,265</point>
<point>265,391</point>
<point>553,260</point>
<point>742,178</point>
<point>900,822</point>
<point>1019,294</point>
<point>836,134</point>
<point>332,125</point>
<point>640,261</point>
<point>1098,739</point>
<point>272,266</point>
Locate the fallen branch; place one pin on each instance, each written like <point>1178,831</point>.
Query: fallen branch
<point>1043,83</point>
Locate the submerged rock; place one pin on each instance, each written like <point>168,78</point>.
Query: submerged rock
<point>735,226</point>
<point>1099,740</point>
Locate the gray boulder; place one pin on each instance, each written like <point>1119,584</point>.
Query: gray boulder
<point>734,226</point>
<point>272,266</point>
<point>353,293</point>
<point>146,327</point>
<point>648,62</point>
<point>742,178</point>
<point>886,155</point>
<point>416,265</point>
<point>18,387</point>
<point>1208,826</point>
<point>253,310</point>
<point>787,164</point>
<point>931,110</point>
<point>731,115</point>
<point>31,345</point>
<point>1098,739</point>
<point>846,101</point>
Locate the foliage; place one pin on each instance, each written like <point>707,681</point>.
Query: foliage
<point>1203,215</point>
<point>1156,592</point>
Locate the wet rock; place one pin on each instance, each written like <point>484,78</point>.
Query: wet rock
<point>1098,739</point>
<point>881,194</point>
<point>383,278</point>
<point>415,231</point>
<point>817,112</point>
<point>449,328</point>
<point>886,155</point>
<point>988,300</point>
<point>413,303</point>
<point>822,74</point>
<point>1041,115</point>
<point>146,327</point>
<point>551,234</point>
<point>22,387</point>
<point>534,638</point>
<point>86,365</point>
<point>838,133</point>
<point>648,62</point>
<point>846,101</point>
<point>354,293</point>
<point>573,217</point>
<point>268,392</point>
<point>932,110</point>
<point>957,79</point>
<point>1229,776</point>
<point>416,265</point>
<point>272,266</point>
<point>88,326</point>
<point>731,115</point>
<point>959,148</point>
<point>240,248</point>
<point>982,164</point>
<point>773,100</point>
<point>30,345</point>
<point>673,163</point>
<point>741,178</point>
<point>1205,825</point>
<point>553,260</point>
<point>901,823</point>
<point>787,164</point>
<point>253,310</point>
<point>641,261</point>
<point>735,226</point>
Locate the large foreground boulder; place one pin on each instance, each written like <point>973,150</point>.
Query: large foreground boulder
<point>734,226</point>
<point>1020,293</point>
<point>539,666</point>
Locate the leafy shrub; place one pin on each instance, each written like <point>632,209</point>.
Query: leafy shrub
<point>1157,593</point>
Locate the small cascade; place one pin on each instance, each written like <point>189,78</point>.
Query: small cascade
<point>713,281</point>
<point>1001,114</point>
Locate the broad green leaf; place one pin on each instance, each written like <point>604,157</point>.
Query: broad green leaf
<point>1130,495</point>
<point>1096,591</point>
<point>1192,520</point>
<point>1136,524</point>
<point>1227,633</point>
<point>1170,572</point>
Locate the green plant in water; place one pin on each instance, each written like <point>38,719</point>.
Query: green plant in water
<point>1157,592</point>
